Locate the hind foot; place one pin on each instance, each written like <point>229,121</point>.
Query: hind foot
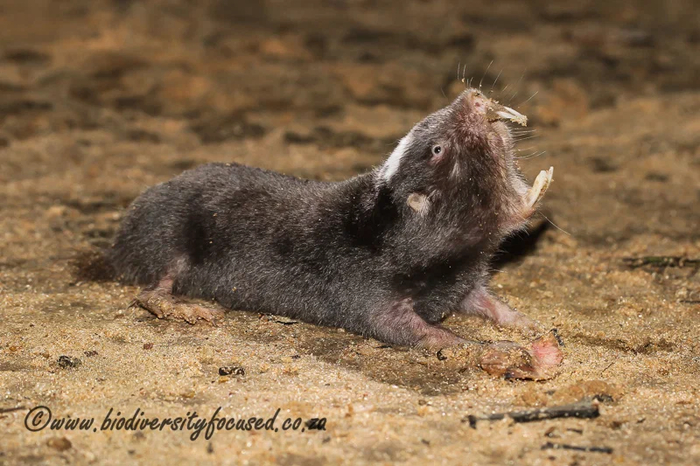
<point>483,303</point>
<point>162,304</point>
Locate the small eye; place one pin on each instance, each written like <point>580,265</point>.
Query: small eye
<point>437,150</point>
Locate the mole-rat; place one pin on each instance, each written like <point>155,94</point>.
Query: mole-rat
<point>387,254</point>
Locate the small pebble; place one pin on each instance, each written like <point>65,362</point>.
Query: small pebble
<point>231,370</point>
<point>68,362</point>
<point>59,443</point>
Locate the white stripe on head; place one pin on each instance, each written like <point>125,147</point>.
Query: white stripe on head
<point>391,165</point>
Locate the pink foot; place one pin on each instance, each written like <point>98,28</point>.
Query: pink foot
<point>483,303</point>
<point>505,358</point>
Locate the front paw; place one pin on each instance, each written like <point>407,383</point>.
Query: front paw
<point>508,359</point>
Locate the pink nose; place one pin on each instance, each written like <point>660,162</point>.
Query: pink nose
<point>478,101</point>
<point>491,109</point>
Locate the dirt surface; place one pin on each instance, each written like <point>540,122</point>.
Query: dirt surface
<point>99,100</point>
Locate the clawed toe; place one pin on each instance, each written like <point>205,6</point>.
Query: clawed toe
<point>164,306</point>
<point>527,326</point>
<point>195,312</point>
<point>191,313</point>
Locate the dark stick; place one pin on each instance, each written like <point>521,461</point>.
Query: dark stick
<point>608,367</point>
<point>564,446</point>
<point>286,322</point>
<point>9,410</point>
<point>660,261</point>
<point>583,410</point>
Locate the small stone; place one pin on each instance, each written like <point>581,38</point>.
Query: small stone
<point>67,362</point>
<point>231,370</point>
<point>59,443</point>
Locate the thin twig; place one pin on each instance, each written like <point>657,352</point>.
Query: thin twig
<point>565,446</point>
<point>583,410</point>
<point>9,410</point>
<point>660,261</point>
<point>607,367</point>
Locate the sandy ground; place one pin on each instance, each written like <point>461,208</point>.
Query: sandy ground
<point>100,99</point>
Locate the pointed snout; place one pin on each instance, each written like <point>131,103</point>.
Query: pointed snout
<point>491,109</point>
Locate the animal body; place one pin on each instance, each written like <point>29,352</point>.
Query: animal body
<point>387,254</point>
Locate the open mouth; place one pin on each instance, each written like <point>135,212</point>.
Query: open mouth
<point>498,112</point>
<point>492,110</point>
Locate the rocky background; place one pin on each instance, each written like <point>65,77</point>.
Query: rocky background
<point>100,99</point>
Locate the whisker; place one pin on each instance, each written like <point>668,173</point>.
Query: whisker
<point>555,225</point>
<point>526,138</point>
<point>484,75</point>
<point>523,131</point>
<point>531,156</point>
<point>495,80</point>
<point>516,86</point>
<point>522,218</point>
<point>503,90</point>
<point>533,95</point>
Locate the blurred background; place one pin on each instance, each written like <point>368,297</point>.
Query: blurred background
<point>111,96</point>
<point>100,99</point>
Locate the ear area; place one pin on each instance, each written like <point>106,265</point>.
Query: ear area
<point>419,203</point>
